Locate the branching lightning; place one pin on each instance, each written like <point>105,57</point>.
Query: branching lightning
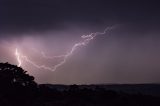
<point>86,40</point>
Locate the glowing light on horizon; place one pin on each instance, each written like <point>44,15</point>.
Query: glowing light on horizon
<point>86,40</point>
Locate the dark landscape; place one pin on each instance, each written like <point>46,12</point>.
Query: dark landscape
<point>19,89</point>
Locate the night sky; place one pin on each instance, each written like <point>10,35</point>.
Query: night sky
<point>129,53</point>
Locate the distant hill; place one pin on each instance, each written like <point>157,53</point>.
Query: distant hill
<point>147,89</point>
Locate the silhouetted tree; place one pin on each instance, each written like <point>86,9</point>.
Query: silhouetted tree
<point>16,86</point>
<point>13,76</point>
<point>73,87</point>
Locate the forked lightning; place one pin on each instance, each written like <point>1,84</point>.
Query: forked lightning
<point>86,39</point>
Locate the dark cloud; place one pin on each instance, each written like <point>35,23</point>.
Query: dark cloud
<point>18,15</point>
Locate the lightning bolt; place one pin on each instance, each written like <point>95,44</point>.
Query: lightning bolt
<point>86,40</point>
<point>18,57</point>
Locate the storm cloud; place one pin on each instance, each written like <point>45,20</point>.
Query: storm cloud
<point>127,54</point>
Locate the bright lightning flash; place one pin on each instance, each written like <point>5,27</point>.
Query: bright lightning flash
<point>18,57</point>
<point>86,40</point>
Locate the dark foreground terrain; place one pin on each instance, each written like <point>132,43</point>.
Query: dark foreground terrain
<point>19,89</point>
